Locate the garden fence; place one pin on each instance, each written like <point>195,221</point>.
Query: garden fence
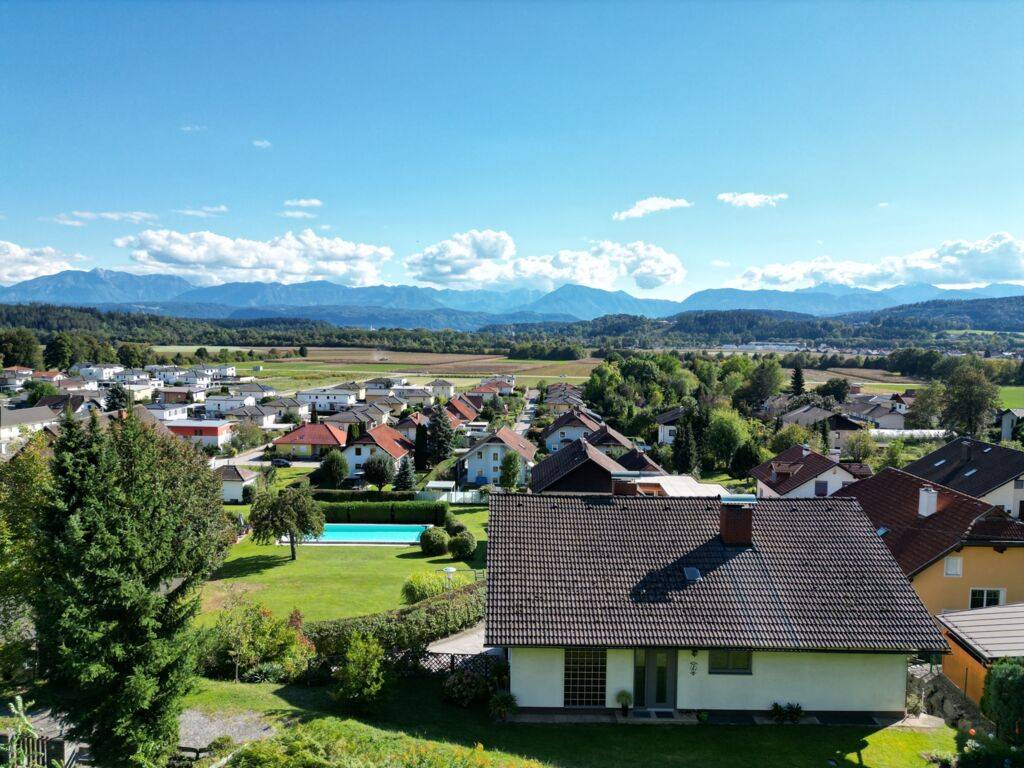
<point>453,497</point>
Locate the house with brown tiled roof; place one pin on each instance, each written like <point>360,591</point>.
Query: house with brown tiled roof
<point>233,482</point>
<point>570,426</point>
<point>694,604</point>
<point>958,551</point>
<point>609,441</point>
<point>312,441</point>
<point>481,464</point>
<point>383,439</point>
<point>576,468</point>
<point>800,473</point>
<point>462,409</point>
<point>409,424</point>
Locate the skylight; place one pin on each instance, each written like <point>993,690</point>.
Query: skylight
<point>692,574</point>
<point>939,463</point>
<point>987,449</point>
<point>970,472</point>
<point>882,531</point>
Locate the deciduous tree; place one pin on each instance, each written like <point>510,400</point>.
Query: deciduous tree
<point>511,468</point>
<point>290,514</point>
<point>379,469</point>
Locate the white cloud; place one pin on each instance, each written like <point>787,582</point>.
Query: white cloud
<point>261,143</point>
<point>18,263</point>
<point>79,218</point>
<point>297,214</point>
<point>882,205</point>
<point>205,212</point>
<point>210,258</point>
<point>192,128</point>
<point>996,258</point>
<point>720,264</point>
<point>304,202</point>
<point>752,199</point>
<point>487,257</point>
<point>651,205</point>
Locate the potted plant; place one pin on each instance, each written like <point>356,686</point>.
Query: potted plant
<point>625,701</point>
<point>502,705</point>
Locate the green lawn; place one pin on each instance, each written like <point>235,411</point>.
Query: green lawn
<point>282,478</point>
<point>416,708</point>
<point>329,582</point>
<point>1013,397</point>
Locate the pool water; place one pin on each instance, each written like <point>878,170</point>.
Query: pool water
<point>370,533</point>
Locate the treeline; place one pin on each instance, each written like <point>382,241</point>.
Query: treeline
<point>542,351</point>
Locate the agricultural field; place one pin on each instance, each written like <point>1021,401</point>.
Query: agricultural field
<point>1012,397</point>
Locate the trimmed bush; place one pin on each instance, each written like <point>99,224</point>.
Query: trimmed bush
<point>412,512</point>
<point>453,525</point>
<point>462,545</point>
<point>336,494</point>
<point>360,675</point>
<point>434,541</point>
<point>426,584</point>
<point>404,633</point>
<point>1003,698</point>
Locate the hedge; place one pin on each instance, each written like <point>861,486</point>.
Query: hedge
<point>406,632</point>
<point>421,512</point>
<point>332,494</point>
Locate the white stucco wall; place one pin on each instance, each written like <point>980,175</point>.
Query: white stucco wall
<point>536,676</point>
<point>563,436</point>
<point>1005,496</point>
<point>619,674</point>
<point>853,682</point>
<point>835,478</point>
<point>666,434</point>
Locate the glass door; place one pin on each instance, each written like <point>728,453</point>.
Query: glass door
<point>654,678</point>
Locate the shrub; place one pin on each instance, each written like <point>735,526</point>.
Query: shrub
<point>249,643</point>
<point>419,512</point>
<point>379,469</point>
<point>465,688</point>
<point>502,705</point>
<point>249,493</point>
<point>453,525</point>
<point>434,541</point>
<point>332,472</point>
<point>426,584</point>
<point>790,713</point>
<point>1003,698</point>
<point>988,753</point>
<point>406,632</point>
<point>462,545</point>
<point>361,673</point>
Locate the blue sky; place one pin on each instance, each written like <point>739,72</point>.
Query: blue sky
<point>490,144</point>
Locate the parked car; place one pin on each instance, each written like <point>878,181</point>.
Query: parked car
<point>280,463</point>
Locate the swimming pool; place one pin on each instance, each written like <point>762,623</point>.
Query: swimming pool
<point>370,533</point>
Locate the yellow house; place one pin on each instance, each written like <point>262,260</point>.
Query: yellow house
<point>959,552</point>
<point>977,639</point>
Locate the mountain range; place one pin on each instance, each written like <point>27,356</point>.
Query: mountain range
<point>413,306</point>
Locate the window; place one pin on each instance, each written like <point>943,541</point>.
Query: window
<point>479,454</point>
<point>359,451</point>
<point>585,677</point>
<point>984,598</point>
<point>821,487</point>
<point>729,662</point>
<point>1018,484</point>
<point>953,566</point>
<point>494,456</point>
<point>640,677</point>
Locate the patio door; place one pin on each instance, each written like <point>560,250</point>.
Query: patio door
<point>654,678</point>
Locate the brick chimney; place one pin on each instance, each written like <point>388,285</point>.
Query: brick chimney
<point>736,525</point>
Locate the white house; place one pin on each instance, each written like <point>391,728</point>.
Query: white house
<point>800,473</point>
<point>225,403</point>
<point>481,464</point>
<point>233,482</point>
<point>133,376</point>
<point>326,399</point>
<point>171,375</point>
<point>381,439</point>
<point>261,416</point>
<point>414,395</point>
<point>169,411</point>
<point>382,386</point>
<point>225,371</point>
<point>442,389</point>
<point>567,428</point>
<point>99,371</point>
<point>665,599</point>
<point>989,472</point>
<point>667,424</point>
<point>16,423</point>
<point>14,378</point>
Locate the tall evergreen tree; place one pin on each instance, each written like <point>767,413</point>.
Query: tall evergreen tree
<point>823,429</point>
<point>684,451</point>
<point>421,451</point>
<point>405,480</point>
<point>796,382</point>
<point>117,398</point>
<point>440,439</point>
<point>314,417</point>
<point>131,527</point>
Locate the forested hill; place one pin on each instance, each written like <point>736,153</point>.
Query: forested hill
<point>1005,314</point>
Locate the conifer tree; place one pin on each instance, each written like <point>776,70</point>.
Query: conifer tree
<point>684,451</point>
<point>421,452</point>
<point>117,398</point>
<point>440,439</point>
<point>796,382</point>
<point>405,480</point>
<point>131,526</point>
